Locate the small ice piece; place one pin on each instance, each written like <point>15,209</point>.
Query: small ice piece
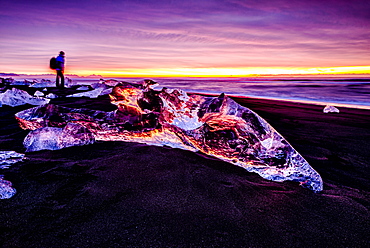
<point>7,158</point>
<point>109,82</point>
<point>69,82</point>
<point>99,85</point>
<point>51,96</point>
<point>91,94</point>
<point>6,189</point>
<point>38,94</point>
<point>15,97</point>
<point>43,83</point>
<point>330,109</point>
<point>54,138</point>
<point>83,87</point>
<point>44,89</point>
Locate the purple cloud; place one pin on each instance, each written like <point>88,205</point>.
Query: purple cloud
<point>147,34</point>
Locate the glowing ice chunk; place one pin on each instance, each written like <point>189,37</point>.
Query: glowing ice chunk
<point>217,126</point>
<point>330,109</point>
<point>54,138</point>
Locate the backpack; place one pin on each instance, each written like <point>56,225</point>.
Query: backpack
<point>53,63</point>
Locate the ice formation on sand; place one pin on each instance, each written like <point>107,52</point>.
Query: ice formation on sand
<point>83,87</point>
<point>15,97</point>
<point>109,82</point>
<point>99,89</point>
<point>7,158</point>
<point>55,138</point>
<point>91,94</point>
<point>43,83</point>
<point>51,96</point>
<point>6,189</point>
<point>330,109</point>
<point>39,94</point>
<point>217,126</point>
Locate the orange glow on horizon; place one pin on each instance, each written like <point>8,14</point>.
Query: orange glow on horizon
<point>228,72</point>
<point>215,72</point>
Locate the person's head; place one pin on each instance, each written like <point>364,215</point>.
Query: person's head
<point>61,53</point>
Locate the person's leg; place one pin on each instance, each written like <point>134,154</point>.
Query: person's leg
<point>57,79</point>
<point>61,80</point>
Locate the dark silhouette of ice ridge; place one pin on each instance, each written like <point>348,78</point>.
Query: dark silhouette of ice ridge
<point>216,126</point>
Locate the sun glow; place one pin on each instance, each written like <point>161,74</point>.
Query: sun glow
<point>226,72</point>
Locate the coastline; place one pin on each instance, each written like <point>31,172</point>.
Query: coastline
<point>118,194</point>
<point>348,92</point>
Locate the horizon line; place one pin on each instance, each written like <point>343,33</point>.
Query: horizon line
<point>210,72</point>
<point>102,75</point>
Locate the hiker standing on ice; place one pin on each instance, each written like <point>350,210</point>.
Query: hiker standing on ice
<point>60,70</point>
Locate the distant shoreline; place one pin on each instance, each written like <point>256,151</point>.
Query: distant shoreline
<point>166,82</point>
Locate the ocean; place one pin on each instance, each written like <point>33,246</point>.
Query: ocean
<point>345,92</point>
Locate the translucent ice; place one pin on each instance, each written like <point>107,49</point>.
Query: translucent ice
<point>91,94</point>
<point>106,91</point>
<point>54,138</point>
<point>330,109</point>
<point>38,94</point>
<point>51,96</point>
<point>105,86</point>
<point>99,85</point>
<point>99,89</point>
<point>83,87</point>
<point>109,82</point>
<point>217,126</point>
<point>15,97</point>
<point>43,83</point>
<point>8,158</point>
<point>6,189</point>
<point>69,82</point>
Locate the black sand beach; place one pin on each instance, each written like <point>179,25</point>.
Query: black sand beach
<point>118,194</point>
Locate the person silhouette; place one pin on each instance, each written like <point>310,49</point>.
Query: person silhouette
<point>60,70</point>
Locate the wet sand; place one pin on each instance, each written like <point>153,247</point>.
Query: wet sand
<point>118,194</point>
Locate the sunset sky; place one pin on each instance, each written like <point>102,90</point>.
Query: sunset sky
<point>187,37</point>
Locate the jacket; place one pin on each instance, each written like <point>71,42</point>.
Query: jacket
<point>60,61</point>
